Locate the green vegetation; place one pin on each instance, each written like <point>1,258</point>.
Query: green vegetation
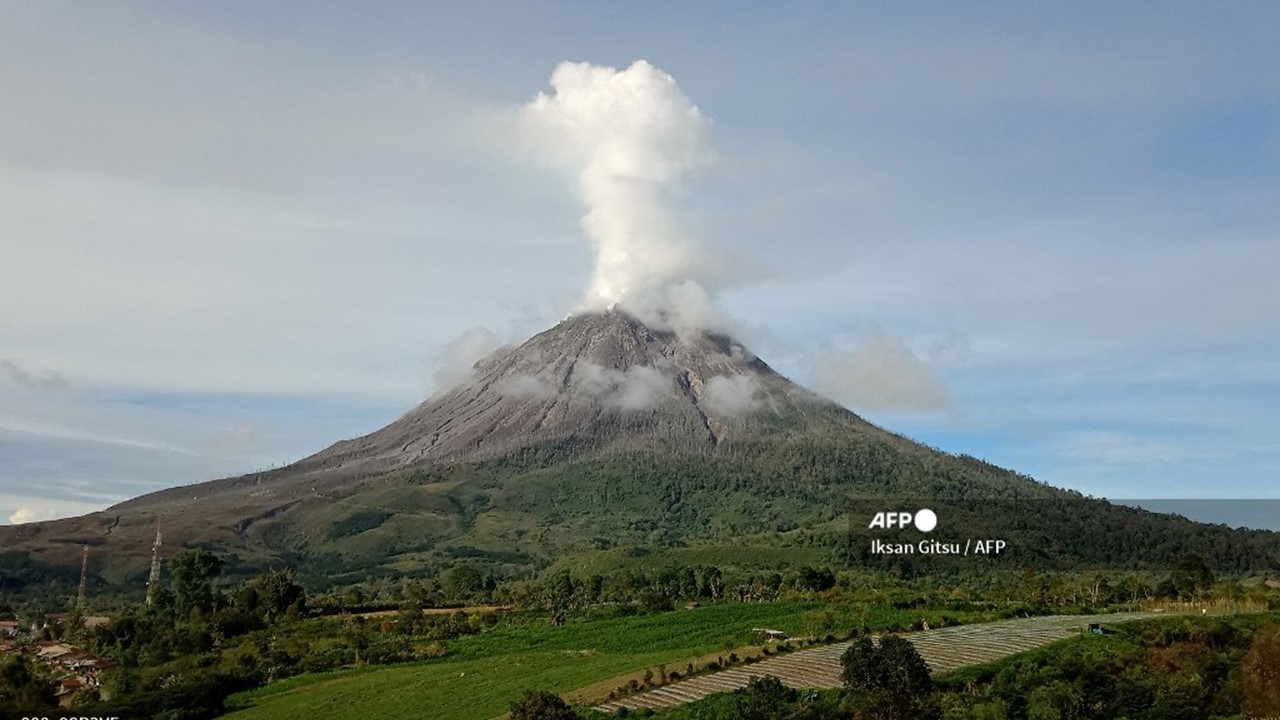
<point>22,686</point>
<point>1186,668</point>
<point>480,675</point>
<point>541,705</point>
<point>357,523</point>
<point>266,648</point>
<point>752,504</point>
<point>749,505</point>
<point>1178,668</point>
<point>887,679</point>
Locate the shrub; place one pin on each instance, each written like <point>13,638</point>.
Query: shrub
<point>541,705</point>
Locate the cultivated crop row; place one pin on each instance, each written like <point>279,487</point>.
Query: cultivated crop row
<point>944,649</point>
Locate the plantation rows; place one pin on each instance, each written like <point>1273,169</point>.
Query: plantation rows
<point>944,649</point>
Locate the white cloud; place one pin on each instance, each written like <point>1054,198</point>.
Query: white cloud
<point>639,387</point>
<point>731,395</point>
<point>881,374</point>
<point>1113,448</point>
<point>525,386</point>
<point>20,509</point>
<point>26,515</point>
<point>458,358</point>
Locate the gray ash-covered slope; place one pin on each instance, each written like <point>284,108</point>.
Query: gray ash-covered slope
<point>594,382</point>
<point>597,379</point>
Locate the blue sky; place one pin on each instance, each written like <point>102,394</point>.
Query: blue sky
<point>233,234</point>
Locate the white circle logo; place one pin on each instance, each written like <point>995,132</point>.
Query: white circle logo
<point>926,520</point>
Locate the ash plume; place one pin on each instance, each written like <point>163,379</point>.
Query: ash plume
<point>630,137</point>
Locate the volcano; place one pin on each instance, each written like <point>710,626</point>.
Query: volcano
<point>598,439</point>
<point>595,384</point>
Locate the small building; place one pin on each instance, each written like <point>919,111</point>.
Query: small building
<point>10,628</point>
<point>54,652</point>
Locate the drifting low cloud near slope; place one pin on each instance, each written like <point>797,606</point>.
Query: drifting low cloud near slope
<point>732,395</point>
<point>457,360</point>
<point>881,374</point>
<point>630,137</point>
<point>639,387</point>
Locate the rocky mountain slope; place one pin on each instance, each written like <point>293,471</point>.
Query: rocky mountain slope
<point>597,435</point>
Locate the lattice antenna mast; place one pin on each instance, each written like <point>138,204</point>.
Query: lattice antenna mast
<point>84,578</point>
<point>153,580</point>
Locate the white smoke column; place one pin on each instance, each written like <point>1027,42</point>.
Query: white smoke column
<point>631,136</point>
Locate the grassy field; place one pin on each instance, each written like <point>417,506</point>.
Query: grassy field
<point>483,673</point>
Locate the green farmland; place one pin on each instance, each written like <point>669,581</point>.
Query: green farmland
<point>483,673</point>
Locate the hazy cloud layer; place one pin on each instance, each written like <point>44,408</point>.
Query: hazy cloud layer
<point>880,374</point>
<point>732,395</point>
<point>1114,448</point>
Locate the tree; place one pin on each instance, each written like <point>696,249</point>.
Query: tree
<point>890,681</point>
<point>353,597</point>
<point>463,582</point>
<point>356,635</point>
<point>1192,577</point>
<point>689,583</point>
<point>1261,666</point>
<point>906,670</point>
<point>655,602</point>
<point>278,592</point>
<point>595,587</point>
<point>541,705</point>
<point>21,689</point>
<point>713,582</point>
<point>562,591</point>
<point>816,580</point>
<point>858,665</point>
<point>764,698</point>
<point>1057,700</point>
<point>193,574</point>
<point>271,596</point>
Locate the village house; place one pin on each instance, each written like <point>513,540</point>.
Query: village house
<point>76,669</point>
<point>51,652</point>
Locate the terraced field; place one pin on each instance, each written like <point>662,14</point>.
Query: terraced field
<point>944,649</point>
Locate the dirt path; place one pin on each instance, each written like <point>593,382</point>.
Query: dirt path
<point>944,649</point>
